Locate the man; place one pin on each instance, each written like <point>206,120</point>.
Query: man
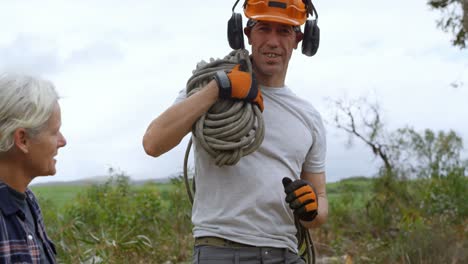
<point>241,213</point>
<point>29,140</point>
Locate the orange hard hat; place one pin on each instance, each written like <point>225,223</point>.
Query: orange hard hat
<point>290,12</point>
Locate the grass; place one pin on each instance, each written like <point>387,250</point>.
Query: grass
<point>58,194</point>
<point>62,194</point>
<point>356,189</point>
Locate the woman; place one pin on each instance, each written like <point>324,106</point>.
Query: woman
<point>29,140</point>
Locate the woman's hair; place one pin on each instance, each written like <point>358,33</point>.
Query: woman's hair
<point>25,102</point>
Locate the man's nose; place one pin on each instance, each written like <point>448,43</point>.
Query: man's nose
<point>273,39</point>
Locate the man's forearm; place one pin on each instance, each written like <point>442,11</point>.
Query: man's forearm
<point>167,130</point>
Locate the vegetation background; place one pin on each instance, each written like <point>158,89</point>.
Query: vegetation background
<point>372,220</point>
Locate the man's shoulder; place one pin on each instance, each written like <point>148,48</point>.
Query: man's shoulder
<point>291,91</point>
<point>305,105</point>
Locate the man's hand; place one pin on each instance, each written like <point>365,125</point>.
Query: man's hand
<point>239,84</point>
<point>301,197</point>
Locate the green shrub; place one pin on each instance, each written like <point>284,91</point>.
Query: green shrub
<point>115,222</point>
<point>379,220</point>
<point>398,221</point>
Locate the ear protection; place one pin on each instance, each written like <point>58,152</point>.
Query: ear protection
<point>235,31</point>
<point>310,41</point>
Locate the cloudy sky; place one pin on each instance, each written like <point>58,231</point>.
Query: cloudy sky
<point>118,64</point>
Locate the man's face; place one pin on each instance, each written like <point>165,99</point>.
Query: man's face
<point>272,46</point>
<point>44,146</point>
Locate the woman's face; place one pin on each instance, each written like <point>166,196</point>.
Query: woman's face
<point>44,146</point>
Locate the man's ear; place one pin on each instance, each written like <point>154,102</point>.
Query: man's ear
<point>247,31</point>
<point>299,38</point>
<point>21,140</point>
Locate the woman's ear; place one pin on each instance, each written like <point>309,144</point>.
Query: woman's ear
<point>20,140</point>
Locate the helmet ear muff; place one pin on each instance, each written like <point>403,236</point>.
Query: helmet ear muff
<point>235,32</point>
<point>310,43</point>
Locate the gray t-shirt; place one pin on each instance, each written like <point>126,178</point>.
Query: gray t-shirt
<point>245,202</point>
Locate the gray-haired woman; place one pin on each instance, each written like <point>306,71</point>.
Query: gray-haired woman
<point>29,140</point>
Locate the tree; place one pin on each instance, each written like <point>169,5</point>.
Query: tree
<point>427,154</point>
<point>405,153</point>
<point>455,19</point>
<point>362,119</point>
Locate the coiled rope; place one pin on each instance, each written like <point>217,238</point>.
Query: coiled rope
<point>230,130</point>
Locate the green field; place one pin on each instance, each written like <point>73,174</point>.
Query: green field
<point>62,194</point>
<point>58,194</point>
<point>370,220</point>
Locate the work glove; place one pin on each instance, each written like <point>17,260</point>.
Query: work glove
<point>239,84</point>
<point>301,197</point>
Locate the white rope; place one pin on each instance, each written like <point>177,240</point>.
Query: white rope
<point>230,129</point>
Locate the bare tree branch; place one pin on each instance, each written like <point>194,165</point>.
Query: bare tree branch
<point>362,120</point>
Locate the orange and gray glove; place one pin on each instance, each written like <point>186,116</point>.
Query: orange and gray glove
<point>302,198</point>
<point>239,84</point>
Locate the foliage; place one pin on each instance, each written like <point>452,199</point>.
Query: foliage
<point>114,222</point>
<point>397,221</point>
<point>454,19</point>
<point>426,154</point>
<point>374,220</point>
<point>416,210</point>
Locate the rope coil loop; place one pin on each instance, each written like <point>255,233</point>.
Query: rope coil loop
<point>230,129</point>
